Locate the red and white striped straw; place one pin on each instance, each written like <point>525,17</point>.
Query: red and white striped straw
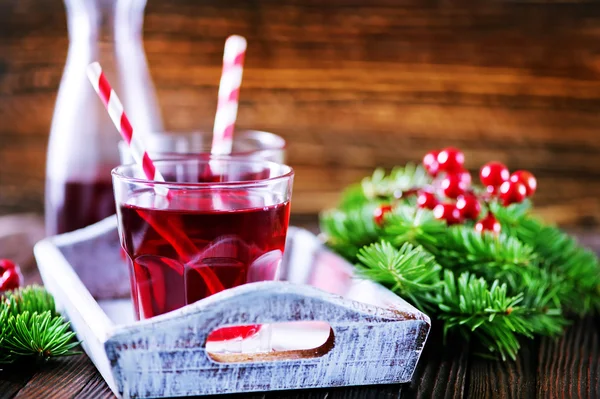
<point>117,114</point>
<point>229,91</point>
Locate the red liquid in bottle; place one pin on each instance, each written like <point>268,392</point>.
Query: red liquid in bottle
<point>74,205</point>
<point>202,243</point>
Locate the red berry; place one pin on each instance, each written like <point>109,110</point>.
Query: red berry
<point>469,206</point>
<point>453,185</point>
<point>493,174</point>
<point>6,264</point>
<point>527,178</point>
<point>380,212</point>
<point>488,223</point>
<point>426,200</point>
<point>430,163</point>
<point>10,275</point>
<point>451,160</point>
<point>512,192</point>
<point>447,212</point>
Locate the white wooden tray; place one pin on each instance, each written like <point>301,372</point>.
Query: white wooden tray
<point>365,333</point>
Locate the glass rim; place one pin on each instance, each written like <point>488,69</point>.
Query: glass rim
<point>286,174</point>
<point>276,142</point>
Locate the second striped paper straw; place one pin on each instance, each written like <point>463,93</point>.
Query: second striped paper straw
<point>229,91</point>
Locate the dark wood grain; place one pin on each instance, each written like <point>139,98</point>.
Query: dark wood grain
<point>63,378</point>
<point>13,380</point>
<point>570,365</point>
<point>95,388</point>
<point>442,370</point>
<point>511,379</point>
<point>350,84</point>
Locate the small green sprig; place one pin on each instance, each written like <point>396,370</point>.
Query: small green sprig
<point>30,327</point>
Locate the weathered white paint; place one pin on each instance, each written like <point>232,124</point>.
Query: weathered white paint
<point>378,337</point>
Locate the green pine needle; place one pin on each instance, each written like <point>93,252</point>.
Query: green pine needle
<point>30,327</point>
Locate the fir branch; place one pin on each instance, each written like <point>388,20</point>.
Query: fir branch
<point>472,308</point>
<point>39,335</point>
<point>30,327</point>
<point>410,271</point>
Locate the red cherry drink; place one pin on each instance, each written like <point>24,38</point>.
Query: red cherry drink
<point>199,243</point>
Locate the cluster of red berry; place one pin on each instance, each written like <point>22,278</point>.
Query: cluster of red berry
<point>10,275</point>
<point>451,196</point>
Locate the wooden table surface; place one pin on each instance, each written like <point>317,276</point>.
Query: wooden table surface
<point>546,368</point>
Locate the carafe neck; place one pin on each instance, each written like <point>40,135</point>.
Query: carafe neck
<point>104,21</point>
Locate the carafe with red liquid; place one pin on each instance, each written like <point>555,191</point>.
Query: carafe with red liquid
<point>83,145</point>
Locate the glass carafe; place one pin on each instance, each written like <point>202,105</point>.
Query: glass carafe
<point>83,141</point>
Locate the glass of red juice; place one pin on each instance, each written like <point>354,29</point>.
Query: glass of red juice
<point>214,223</point>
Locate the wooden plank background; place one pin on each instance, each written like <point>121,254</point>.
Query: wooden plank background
<point>351,84</point>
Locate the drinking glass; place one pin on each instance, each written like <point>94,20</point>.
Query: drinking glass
<point>216,222</point>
